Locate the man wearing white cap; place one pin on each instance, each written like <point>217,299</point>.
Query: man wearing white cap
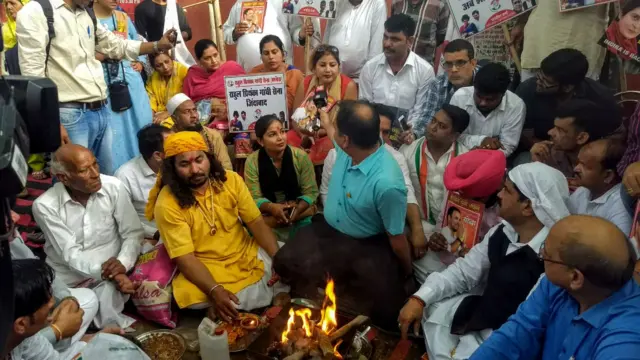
<point>184,117</point>
<point>479,292</point>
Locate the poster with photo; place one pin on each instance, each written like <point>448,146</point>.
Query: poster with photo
<point>475,16</point>
<point>252,13</point>
<point>623,34</point>
<point>570,5</point>
<point>461,223</point>
<point>249,97</point>
<point>398,125</point>
<point>313,8</point>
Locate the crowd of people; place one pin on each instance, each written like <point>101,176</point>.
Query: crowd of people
<point>361,198</point>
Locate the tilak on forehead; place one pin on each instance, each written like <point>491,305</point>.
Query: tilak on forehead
<point>174,144</point>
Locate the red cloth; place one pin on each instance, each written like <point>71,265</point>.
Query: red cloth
<point>200,84</point>
<point>476,174</point>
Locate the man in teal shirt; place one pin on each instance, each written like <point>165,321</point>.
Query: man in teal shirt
<point>360,241</point>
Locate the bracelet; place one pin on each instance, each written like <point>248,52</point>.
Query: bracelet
<point>59,332</point>
<point>213,288</point>
<point>418,299</point>
<point>155,47</point>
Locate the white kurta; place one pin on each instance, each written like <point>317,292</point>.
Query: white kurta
<point>357,32</point>
<point>138,179</point>
<point>80,239</point>
<point>286,27</point>
<point>444,291</point>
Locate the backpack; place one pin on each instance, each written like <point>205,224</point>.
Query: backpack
<point>47,9</point>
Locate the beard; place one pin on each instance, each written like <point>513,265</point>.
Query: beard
<point>197,180</point>
<point>197,128</point>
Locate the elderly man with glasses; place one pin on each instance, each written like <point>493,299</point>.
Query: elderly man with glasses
<point>477,294</point>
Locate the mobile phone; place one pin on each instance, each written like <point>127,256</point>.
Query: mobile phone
<point>403,123</point>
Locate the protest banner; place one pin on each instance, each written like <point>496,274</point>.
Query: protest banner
<point>461,223</point>
<point>252,13</point>
<point>475,16</point>
<point>250,97</point>
<point>312,8</point>
<point>570,5</point>
<point>623,35</point>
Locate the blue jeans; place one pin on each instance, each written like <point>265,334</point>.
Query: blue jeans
<point>90,129</point>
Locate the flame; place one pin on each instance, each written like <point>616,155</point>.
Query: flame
<point>290,323</point>
<point>328,320</point>
<point>335,350</point>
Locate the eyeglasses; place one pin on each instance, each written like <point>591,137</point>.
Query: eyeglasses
<point>458,64</point>
<point>543,258</point>
<point>543,82</point>
<point>328,48</point>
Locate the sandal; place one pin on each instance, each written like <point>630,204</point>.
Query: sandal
<point>39,175</point>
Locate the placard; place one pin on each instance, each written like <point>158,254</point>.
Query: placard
<point>252,96</point>
<point>462,231</point>
<point>325,9</point>
<point>623,35</point>
<point>252,13</point>
<point>475,16</point>
<point>570,5</point>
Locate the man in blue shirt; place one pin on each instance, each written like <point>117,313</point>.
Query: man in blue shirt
<point>587,305</point>
<point>360,242</point>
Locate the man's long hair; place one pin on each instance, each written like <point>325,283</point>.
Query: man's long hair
<point>180,189</point>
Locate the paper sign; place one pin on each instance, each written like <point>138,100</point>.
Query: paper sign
<point>461,223</point>
<point>249,97</point>
<point>312,8</point>
<point>252,13</point>
<point>569,5</point>
<point>475,16</point>
<point>623,35</point>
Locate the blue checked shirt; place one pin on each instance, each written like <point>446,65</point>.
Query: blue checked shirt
<point>439,92</point>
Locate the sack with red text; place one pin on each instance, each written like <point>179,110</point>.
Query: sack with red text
<point>154,271</point>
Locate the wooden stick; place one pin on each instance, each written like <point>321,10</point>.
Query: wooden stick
<point>359,320</point>
<point>212,23</point>
<point>512,48</point>
<point>324,343</point>
<point>307,46</point>
<point>219,32</point>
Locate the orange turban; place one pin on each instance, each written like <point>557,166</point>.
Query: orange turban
<point>174,144</point>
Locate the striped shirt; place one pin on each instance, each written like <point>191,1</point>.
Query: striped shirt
<point>431,17</point>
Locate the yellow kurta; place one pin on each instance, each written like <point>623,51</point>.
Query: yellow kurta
<point>161,90</point>
<point>230,254</point>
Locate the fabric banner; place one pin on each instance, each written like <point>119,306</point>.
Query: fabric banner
<point>182,54</point>
<point>475,16</point>
<point>569,5</point>
<point>250,97</point>
<point>312,8</point>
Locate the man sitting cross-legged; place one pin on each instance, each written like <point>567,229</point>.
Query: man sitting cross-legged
<point>200,209</point>
<point>586,307</point>
<point>480,291</point>
<point>93,233</point>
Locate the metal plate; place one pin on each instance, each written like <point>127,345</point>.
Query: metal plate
<point>140,339</point>
<point>251,335</point>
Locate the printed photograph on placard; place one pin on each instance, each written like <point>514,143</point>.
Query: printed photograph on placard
<point>623,34</point>
<point>568,5</point>
<point>475,16</point>
<point>312,8</point>
<point>461,223</point>
<point>252,14</point>
<point>250,97</point>
<point>398,125</point>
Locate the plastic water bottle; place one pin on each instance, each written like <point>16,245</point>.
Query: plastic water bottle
<point>213,342</point>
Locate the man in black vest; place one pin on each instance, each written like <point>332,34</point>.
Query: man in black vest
<point>460,306</point>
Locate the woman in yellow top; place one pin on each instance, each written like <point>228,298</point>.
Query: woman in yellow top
<point>281,179</point>
<point>201,211</point>
<point>166,81</point>
<point>273,60</point>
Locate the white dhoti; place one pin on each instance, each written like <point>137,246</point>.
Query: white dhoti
<point>441,344</point>
<point>111,305</point>
<point>258,294</point>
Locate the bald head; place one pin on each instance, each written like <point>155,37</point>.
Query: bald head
<point>360,122</point>
<point>593,246</point>
<point>77,168</point>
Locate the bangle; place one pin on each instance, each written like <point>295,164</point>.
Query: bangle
<point>155,47</point>
<point>418,299</point>
<point>213,288</point>
<point>57,330</point>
